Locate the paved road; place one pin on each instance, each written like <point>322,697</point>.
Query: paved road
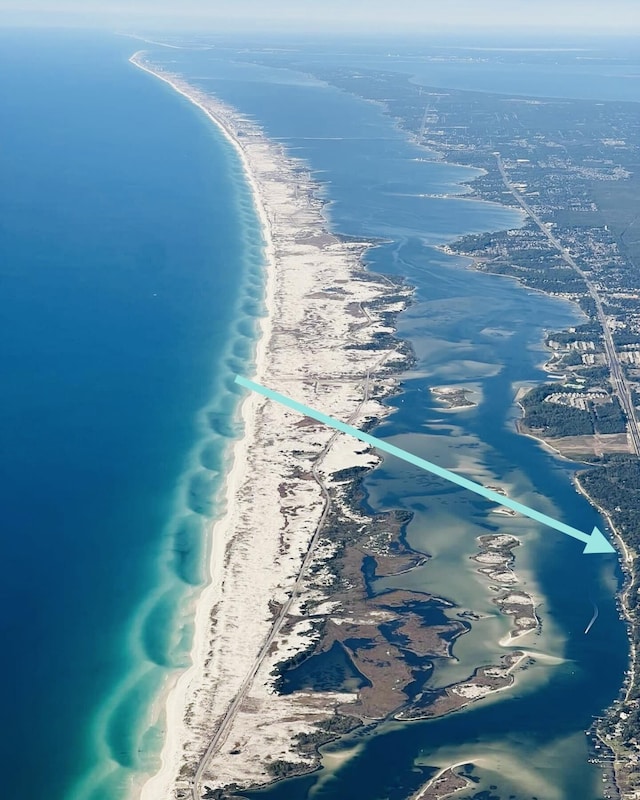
<point>224,726</point>
<point>618,378</point>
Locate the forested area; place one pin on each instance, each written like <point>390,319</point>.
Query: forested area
<point>557,419</point>
<point>615,486</point>
<point>589,332</point>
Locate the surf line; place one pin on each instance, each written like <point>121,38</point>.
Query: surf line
<point>594,542</point>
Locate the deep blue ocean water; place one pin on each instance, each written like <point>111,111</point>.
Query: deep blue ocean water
<point>130,276</point>
<point>131,283</point>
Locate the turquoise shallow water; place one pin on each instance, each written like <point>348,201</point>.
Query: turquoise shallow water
<point>131,279</point>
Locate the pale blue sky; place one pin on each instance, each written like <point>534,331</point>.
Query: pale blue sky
<point>372,15</point>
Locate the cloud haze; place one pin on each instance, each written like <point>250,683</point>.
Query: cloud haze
<point>336,15</point>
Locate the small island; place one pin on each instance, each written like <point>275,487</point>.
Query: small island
<point>453,397</point>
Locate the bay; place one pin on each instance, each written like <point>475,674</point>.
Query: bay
<point>485,333</point>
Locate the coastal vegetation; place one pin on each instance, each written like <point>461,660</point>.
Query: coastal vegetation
<point>390,637</point>
<point>557,419</point>
<point>614,484</point>
<point>557,161</point>
<point>573,168</point>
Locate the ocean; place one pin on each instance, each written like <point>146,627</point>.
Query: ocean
<point>132,283</point>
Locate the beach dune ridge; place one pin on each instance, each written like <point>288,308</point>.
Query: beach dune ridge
<point>224,722</point>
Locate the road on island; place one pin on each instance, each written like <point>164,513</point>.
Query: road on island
<point>618,378</point>
<point>621,389</point>
<point>225,723</point>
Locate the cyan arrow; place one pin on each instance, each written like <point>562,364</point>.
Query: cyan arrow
<point>594,543</point>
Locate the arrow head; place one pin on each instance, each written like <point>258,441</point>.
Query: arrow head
<point>597,543</point>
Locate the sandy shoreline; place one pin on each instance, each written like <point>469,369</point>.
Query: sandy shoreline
<point>250,617</point>
<point>176,699</point>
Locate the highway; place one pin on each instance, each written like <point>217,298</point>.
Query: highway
<point>618,378</point>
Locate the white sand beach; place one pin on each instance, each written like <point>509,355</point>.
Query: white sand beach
<point>224,722</point>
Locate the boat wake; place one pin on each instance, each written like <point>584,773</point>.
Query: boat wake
<point>593,618</point>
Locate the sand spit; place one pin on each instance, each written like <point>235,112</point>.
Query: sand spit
<point>225,723</point>
<point>447,782</point>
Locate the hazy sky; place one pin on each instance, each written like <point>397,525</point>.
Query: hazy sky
<point>373,15</point>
